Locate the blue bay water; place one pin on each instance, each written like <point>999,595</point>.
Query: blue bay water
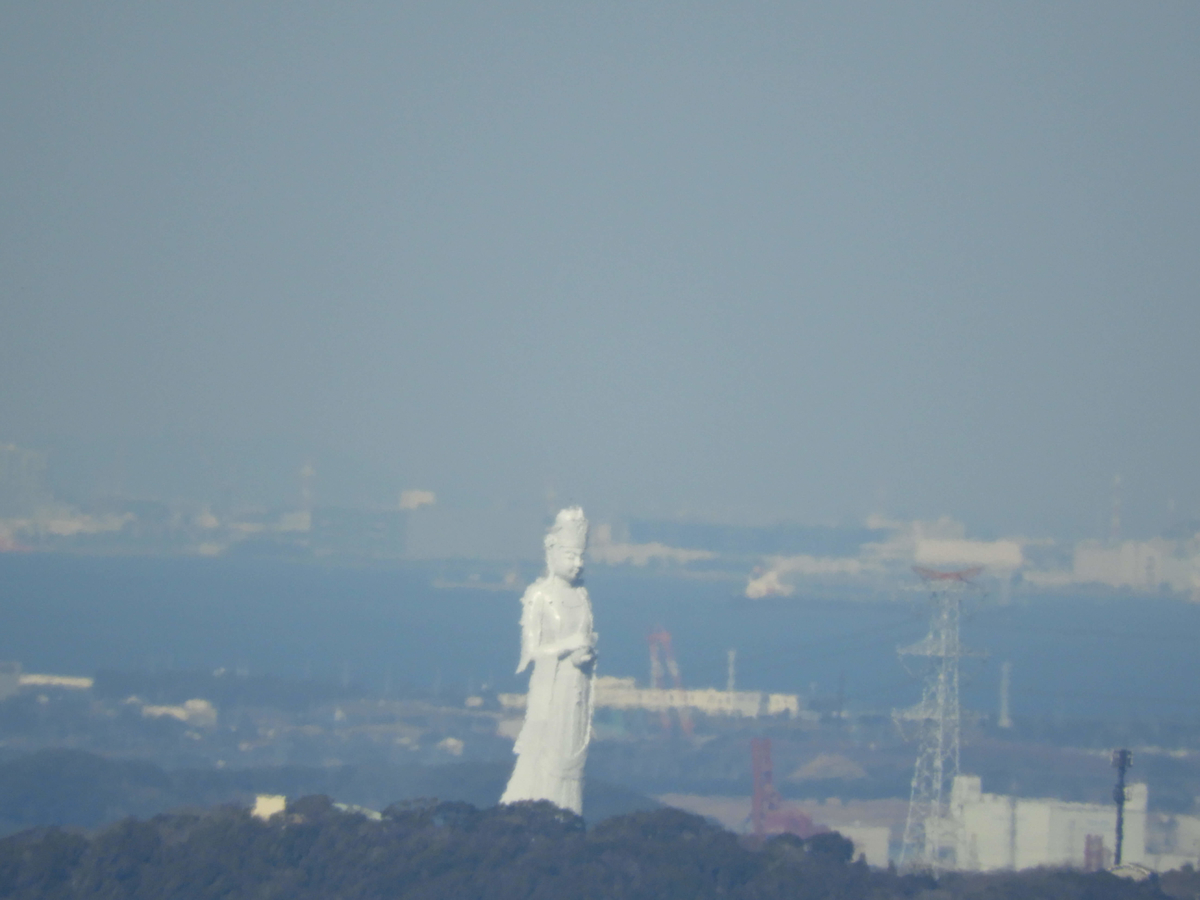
<point>1101,656</point>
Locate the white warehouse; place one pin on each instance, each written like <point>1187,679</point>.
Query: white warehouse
<point>994,831</point>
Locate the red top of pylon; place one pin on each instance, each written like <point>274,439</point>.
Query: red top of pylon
<point>964,575</point>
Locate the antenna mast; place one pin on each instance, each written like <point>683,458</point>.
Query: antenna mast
<point>928,830</point>
<point>1121,760</point>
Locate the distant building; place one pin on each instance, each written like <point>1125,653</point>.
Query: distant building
<point>994,831</point>
<point>623,693</point>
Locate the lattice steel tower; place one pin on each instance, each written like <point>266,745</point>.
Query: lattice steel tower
<point>929,833</point>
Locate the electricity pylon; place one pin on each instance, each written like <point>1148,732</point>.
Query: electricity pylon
<point>929,831</point>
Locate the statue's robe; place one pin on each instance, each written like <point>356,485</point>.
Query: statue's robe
<point>552,745</point>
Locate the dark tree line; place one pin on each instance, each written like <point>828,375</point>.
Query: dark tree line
<point>70,787</point>
<point>449,851</point>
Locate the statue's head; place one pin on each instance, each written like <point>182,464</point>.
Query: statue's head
<point>565,542</point>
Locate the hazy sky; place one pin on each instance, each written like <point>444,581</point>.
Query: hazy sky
<point>736,261</point>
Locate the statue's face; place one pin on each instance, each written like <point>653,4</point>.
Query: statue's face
<point>565,562</point>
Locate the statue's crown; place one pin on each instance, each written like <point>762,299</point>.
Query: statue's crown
<point>570,529</point>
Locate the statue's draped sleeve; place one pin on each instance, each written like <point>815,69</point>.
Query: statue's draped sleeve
<point>531,625</point>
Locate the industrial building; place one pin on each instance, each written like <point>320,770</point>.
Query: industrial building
<point>1140,565</point>
<point>623,693</point>
<point>995,831</point>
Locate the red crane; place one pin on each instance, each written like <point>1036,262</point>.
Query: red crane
<point>660,651</point>
<point>768,814</point>
<point>963,575</point>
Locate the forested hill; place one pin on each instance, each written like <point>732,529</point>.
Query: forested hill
<point>453,850</point>
<point>69,787</point>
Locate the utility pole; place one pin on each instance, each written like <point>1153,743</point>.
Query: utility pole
<point>928,828</point>
<point>1121,760</point>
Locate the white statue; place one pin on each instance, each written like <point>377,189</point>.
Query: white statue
<point>557,637</point>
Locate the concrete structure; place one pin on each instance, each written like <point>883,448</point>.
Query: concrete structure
<point>993,831</point>
<point>558,640</point>
<point>623,693</point>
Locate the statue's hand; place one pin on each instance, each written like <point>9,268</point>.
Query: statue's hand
<point>583,656</point>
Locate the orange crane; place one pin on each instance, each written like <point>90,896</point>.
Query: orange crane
<point>660,652</point>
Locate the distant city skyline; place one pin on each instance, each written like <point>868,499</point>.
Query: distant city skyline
<point>878,556</point>
<point>746,264</point>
